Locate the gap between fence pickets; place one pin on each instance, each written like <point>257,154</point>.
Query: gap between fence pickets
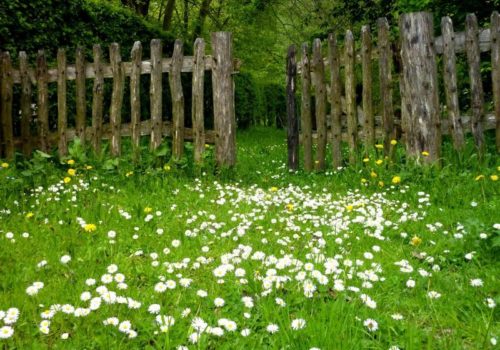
<point>484,46</point>
<point>166,64</point>
<point>125,131</point>
<point>489,123</point>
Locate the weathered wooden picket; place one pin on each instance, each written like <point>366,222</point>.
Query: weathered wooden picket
<point>221,63</point>
<point>420,123</point>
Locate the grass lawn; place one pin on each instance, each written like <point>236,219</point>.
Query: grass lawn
<point>154,256</point>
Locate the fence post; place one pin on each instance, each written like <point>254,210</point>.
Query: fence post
<point>335,107</point>
<point>81,92</point>
<point>223,97</point>
<point>293,123</point>
<point>495,70</point>
<point>366,57</point>
<point>135,96</point>
<point>43,101</point>
<point>177,101</point>
<point>197,100</point>
<point>305,114</point>
<point>62,114</point>
<point>97,99</point>
<point>115,113</point>
<point>318,81</point>
<point>6,105</point>
<point>25,103</point>
<point>155,92</point>
<point>350,97</point>
<point>420,93</point>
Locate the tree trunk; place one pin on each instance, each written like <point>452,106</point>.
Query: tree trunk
<point>200,22</point>
<point>169,11</point>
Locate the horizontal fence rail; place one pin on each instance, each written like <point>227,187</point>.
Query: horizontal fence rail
<point>39,77</point>
<point>417,116</point>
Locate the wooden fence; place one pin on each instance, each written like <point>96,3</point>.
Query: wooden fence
<point>221,63</point>
<point>422,120</point>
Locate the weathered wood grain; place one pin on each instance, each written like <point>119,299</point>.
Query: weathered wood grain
<point>97,100</point>
<point>43,101</point>
<point>450,83</point>
<point>26,113</point>
<point>385,77</point>
<point>115,114</point>
<point>335,94</point>
<point>350,97</point>
<point>62,111</point>
<point>366,53</point>
<point>135,94</point>
<point>81,95</point>
<point>175,82</point>
<point>6,93</point>
<point>495,70</point>
<point>420,94</point>
<point>476,85</point>
<point>318,83</point>
<point>197,110</point>
<point>223,99</point>
<point>155,93</point>
<point>292,121</point>
<point>306,115</point>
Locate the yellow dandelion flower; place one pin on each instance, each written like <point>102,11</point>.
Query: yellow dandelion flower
<point>67,180</point>
<point>289,206</point>
<point>274,189</point>
<point>379,161</point>
<point>88,167</point>
<point>166,167</point>
<point>29,215</point>
<point>415,241</point>
<point>366,160</point>
<point>130,173</point>
<point>207,145</point>
<point>363,180</point>
<point>148,210</point>
<point>479,177</point>
<point>494,177</point>
<point>349,207</point>
<point>396,179</point>
<point>373,174</point>
<point>71,172</point>
<point>316,162</point>
<point>381,183</point>
<point>498,168</point>
<point>394,142</point>
<point>379,146</point>
<point>70,162</point>
<point>425,153</point>
<point>5,165</point>
<point>89,227</point>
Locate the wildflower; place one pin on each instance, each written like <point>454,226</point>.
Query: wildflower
<point>5,165</point>
<point>415,241</point>
<point>490,302</point>
<point>494,177</point>
<point>298,323</point>
<point>29,215</point>
<point>373,174</point>
<point>89,227</point>
<point>125,327</point>
<point>410,283</point>
<point>397,317</point>
<point>219,302</point>
<point>245,332</point>
<point>67,180</point>
<point>289,206</point>
<point>434,295</point>
<point>148,210</point>
<point>130,173</point>
<point>88,167</point>
<point>166,167</point>
<point>64,336</point>
<point>379,146</point>
<point>70,162</point>
<point>379,161</point>
<point>394,142</point>
<point>381,183</point>
<point>479,177</point>
<point>272,328</point>
<point>366,160</point>
<point>476,282</point>
<point>349,207</point>
<point>372,325</point>
<point>396,180</point>
<point>65,259</point>
<point>6,331</point>
<point>425,153</point>
<point>71,172</point>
